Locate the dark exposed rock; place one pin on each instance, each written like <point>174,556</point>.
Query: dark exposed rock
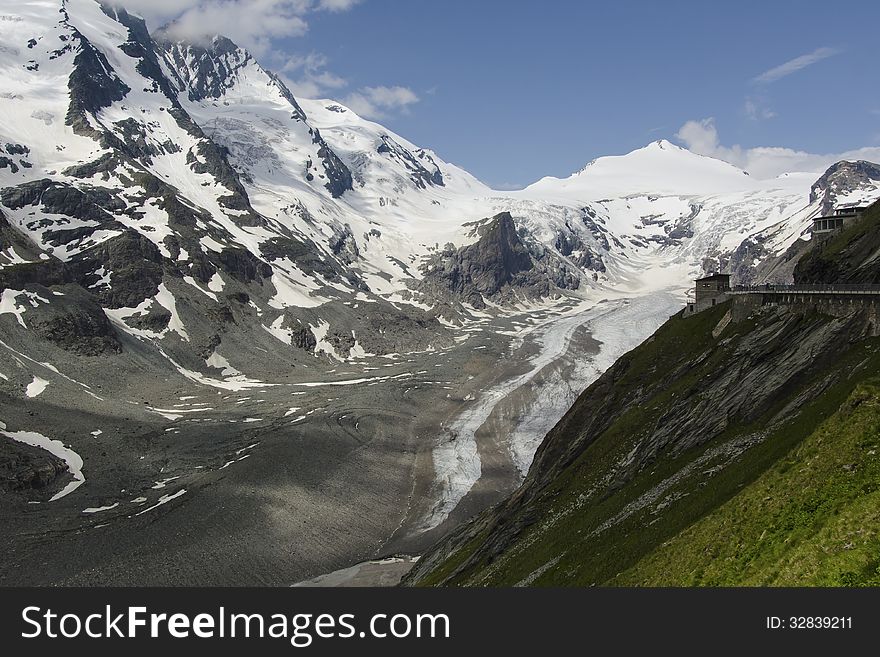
<point>302,338</point>
<point>243,265</point>
<point>339,176</point>
<point>28,193</point>
<point>155,320</point>
<point>8,163</point>
<point>498,265</point>
<point>220,314</point>
<point>210,69</point>
<point>107,164</point>
<point>208,348</point>
<point>487,265</point>
<point>344,245</point>
<point>200,267</point>
<point>42,272</point>
<point>87,203</point>
<point>568,243</point>
<point>342,343</point>
<point>239,297</point>
<point>17,149</point>
<point>11,237</point>
<point>423,171</point>
<point>24,468</point>
<point>93,86</point>
<point>217,164</point>
<point>309,259</point>
<point>75,322</point>
<point>136,266</point>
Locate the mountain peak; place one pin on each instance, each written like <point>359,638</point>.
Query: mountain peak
<point>664,145</point>
<point>661,167</point>
<point>846,183</point>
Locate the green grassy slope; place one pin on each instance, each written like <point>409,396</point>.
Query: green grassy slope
<point>645,481</point>
<point>849,256</point>
<point>813,518</point>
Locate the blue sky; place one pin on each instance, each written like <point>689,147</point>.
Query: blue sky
<point>515,90</point>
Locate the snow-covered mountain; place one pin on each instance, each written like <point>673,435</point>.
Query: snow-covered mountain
<point>183,196</point>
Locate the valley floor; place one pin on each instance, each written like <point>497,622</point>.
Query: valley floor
<point>279,484</point>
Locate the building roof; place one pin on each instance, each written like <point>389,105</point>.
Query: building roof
<point>715,277</point>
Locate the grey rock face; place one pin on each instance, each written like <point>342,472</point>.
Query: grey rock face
<point>136,266</point>
<point>93,86</point>
<point>497,259</point>
<point>500,265</point>
<point>842,178</point>
<point>75,322</point>
<point>205,71</point>
<point>339,176</point>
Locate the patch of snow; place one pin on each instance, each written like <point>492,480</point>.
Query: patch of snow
<point>36,387</point>
<point>191,281</point>
<point>100,509</point>
<point>218,362</point>
<point>216,284</point>
<point>167,301</point>
<point>162,500</point>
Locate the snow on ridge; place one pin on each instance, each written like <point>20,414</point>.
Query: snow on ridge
<point>397,214</point>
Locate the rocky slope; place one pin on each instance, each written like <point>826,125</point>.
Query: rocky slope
<point>685,462</point>
<point>187,193</point>
<point>845,184</point>
<point>849,256</point>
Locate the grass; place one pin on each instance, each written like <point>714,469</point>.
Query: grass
<point>811,519</point>
<point>693,540</point>
<point>847,256</point>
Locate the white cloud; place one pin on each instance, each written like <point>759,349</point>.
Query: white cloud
<point>308,77</point>
<point>764,161</point>
<point>756,109</point>
<point>794,65</point>
<point>375,102</point>
<point>257,25</point>
<point>337,5</point>
<point>253,24</point>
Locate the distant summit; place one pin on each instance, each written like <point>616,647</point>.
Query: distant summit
<point>661,167</point>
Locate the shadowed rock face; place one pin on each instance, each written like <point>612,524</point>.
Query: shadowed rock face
<point>500,266</point>
<point>493,261</point>
<point>497,260</point>
<point>24,468</point>
<point>76,323</point>
<point>423,171</point>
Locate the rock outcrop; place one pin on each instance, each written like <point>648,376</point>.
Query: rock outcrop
<point>843,179</point>
<point>499,266</point>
